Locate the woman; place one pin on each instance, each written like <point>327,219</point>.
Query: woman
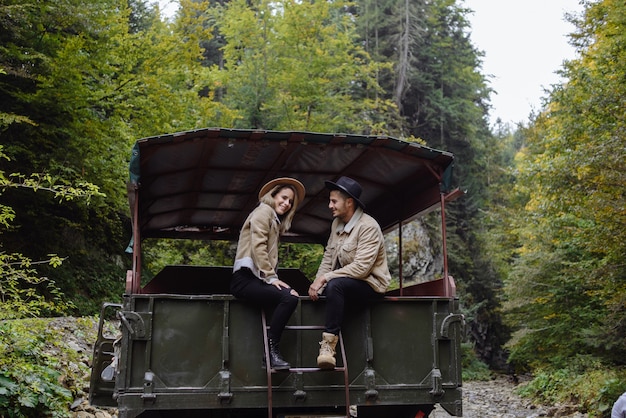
<point>254,273</point>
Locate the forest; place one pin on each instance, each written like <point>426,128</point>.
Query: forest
<point>537,245</point>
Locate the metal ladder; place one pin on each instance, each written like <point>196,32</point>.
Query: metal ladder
<point>271,371</point>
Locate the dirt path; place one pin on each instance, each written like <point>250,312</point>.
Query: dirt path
<point>496,399</point>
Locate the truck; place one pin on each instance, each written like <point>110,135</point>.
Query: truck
<point>180,345</point>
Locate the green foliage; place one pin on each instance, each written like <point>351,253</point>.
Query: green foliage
<point>442,97</point>
<point>296,66</point>
<point>306,257</point>
<point>584,382</point>
<point>25,294</point>
<point>159,253</point>
<point>89,279</point>
<point>60,188</point>
<point>472,367</point>
<point>23,291</point>
<point>40,373</point>
<point>162,252</point>
<point>561,226</point>
<point>34,380</point>
<point>566,287</point>
<point>80,81</point>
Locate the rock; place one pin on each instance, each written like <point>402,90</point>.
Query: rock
<point>76,404</point>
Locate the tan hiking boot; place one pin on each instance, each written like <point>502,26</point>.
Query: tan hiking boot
<point>326,358</point>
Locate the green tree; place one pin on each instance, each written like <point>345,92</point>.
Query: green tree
<point>292,65</point>
<point>567,286</point>
<point>23,292</point>
<point>81,82</point>
<point>442,98</point>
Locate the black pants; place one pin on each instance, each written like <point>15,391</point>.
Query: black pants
<point>245,285</point>
<point>341,290</point>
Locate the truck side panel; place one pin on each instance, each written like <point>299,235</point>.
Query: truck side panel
<point>204,353</point>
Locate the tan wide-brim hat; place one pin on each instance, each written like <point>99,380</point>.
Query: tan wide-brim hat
<point>287,181</point>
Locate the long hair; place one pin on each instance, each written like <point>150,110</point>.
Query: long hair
<point>285,219</point>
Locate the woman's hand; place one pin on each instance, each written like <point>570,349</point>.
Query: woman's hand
<point>280,284</point>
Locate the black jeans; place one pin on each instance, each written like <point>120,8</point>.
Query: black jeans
<point>341,290</point>
<point>245,285</point>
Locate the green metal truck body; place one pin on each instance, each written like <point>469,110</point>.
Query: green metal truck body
<point>187,348</point>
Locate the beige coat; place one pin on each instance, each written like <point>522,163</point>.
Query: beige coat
<point>258,243</point>
<point>356,250</point>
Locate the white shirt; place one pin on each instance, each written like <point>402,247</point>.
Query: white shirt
<point>619,408</point>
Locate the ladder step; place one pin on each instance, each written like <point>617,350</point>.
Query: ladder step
<point>301,327</point>
<point>309,370</point>
<point>270,371</point>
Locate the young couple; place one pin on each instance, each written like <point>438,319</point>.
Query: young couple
<point>354,266</point>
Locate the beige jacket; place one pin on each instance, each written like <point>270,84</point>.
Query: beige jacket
<point>257,248</point>
<point>356,250</point>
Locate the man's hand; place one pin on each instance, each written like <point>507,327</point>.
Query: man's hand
<point>316,286</point>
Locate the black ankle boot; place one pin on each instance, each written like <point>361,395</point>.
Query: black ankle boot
<point>276,359</point>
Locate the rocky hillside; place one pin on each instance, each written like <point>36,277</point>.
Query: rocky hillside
<point>79,336</point>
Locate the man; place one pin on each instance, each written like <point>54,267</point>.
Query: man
<point>354,266</point>
<point>619,407</point>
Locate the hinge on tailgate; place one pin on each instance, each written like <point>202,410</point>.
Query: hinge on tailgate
<point>437,389</point>
<point>139,325</point>
<point>148,386</point>
<point>225,394</point>
<point>298,382</point>
<point>370,384</point>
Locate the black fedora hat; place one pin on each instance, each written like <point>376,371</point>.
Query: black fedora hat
<point>349,186</point>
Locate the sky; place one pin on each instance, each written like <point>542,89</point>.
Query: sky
<point>525,42</point>
<point>167,7</point>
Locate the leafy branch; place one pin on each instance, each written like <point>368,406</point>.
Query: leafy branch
<point>23,292</point>
<point>46,182</point>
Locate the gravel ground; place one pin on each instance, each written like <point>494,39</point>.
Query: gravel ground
<point>496,399</point>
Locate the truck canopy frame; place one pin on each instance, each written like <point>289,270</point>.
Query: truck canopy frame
<point>204,183</point>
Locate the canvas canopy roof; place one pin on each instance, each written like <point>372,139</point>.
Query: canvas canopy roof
<point>204,183</point>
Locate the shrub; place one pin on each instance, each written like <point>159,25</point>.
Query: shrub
<point>473,368</point>
<point>585,382</point>
<point>38,372</point>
